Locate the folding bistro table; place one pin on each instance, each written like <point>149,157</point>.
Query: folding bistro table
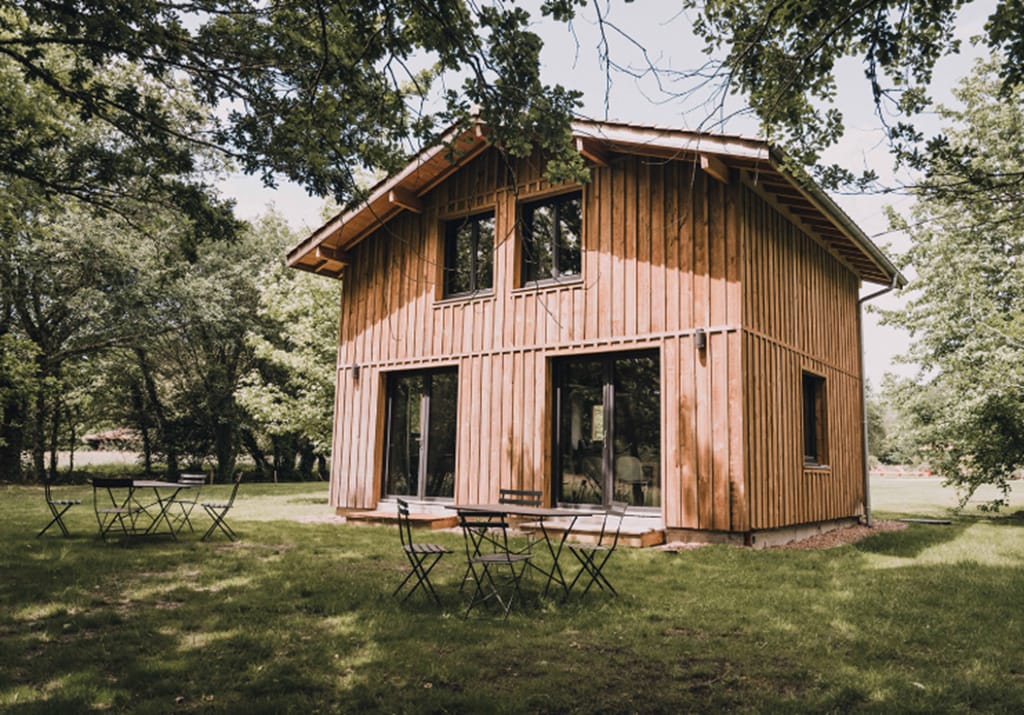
<point>540,513</point>
<point>164,492</point>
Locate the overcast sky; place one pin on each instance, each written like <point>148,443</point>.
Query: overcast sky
<point>650,32</point>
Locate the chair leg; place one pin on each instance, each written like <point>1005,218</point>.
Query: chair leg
<point>422,573</point>
<point>493,590</point>
<point>594,569</point>
<point>218,522</point>
<point>58,519</point>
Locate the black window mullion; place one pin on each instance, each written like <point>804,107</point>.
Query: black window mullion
<point>608,457</point>
<point>555,231</point>
<point>474,240</point>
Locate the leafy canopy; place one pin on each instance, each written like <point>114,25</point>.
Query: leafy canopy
<point>784,56</point>
<point>309,89</point>
<point>966,307</point>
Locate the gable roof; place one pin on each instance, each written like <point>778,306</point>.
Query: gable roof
<point>325,250</point>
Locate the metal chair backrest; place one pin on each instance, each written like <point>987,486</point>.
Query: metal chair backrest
<point>110,484</point>
<point>193,479</point>
<point>521,497</point>
<point>234,490</point>
<point>404,523</point>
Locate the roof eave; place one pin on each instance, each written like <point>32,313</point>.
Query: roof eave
<point>824,203</point>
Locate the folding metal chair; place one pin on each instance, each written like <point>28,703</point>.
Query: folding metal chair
<point>114,506</point>
<point>493,566</point>
<point>58,508</point>
<point>522,497</point>
<point>593,557</point>
<point>186,500</point>
<point>219,510</point>
<point>422,557</point>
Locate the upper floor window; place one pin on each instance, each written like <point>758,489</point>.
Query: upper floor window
<point>552,234</point>
<point>469,254</point>
<point>815,422</point>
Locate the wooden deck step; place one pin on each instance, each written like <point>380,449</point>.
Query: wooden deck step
<point>633,535</point>
<point>427,521</point>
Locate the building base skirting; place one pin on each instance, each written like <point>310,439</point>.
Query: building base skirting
<point>758,539</point>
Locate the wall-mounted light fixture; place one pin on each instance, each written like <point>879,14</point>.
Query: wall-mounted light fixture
<point>701,339</point>
<point>355,371</point>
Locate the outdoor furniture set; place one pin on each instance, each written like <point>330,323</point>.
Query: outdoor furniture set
<point>495,567</point>
<point>130,508</point>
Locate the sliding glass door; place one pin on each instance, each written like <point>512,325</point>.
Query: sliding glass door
<point>420,441</point>
<point>608,429</point>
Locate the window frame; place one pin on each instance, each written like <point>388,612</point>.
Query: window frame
<point>814,423</point>
<point>449,238</point>
<point>526,238</point>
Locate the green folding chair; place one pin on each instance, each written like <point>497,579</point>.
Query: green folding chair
<point>594,557</point>
<point>422,557</point>
<point>58,508</point>
<point>218,511</point>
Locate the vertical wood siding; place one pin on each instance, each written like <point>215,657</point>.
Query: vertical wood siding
<point>800,314</point>
<point>664,250</point>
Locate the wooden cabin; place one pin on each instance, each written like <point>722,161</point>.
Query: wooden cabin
<point>680,333</point>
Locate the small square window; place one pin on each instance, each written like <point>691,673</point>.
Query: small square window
<point>469,254</point>
<point>552,231</point>
<point>815,420</point>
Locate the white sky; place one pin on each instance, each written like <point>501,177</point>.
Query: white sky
<point>571,58</point>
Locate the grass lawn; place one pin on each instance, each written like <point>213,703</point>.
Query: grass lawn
<point>298,617</point>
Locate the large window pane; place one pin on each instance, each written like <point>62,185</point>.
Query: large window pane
<point>440,471</point>
<point>637,463</point>
<point>581,432</point>
<point>469,254</point>
<point>405,394</point>
<point>569,239</point>
<point>552,237</point>
<point>420,441</point>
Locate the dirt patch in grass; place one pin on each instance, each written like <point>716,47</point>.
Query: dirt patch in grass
<point>840,537</point>
<point>828,540</point>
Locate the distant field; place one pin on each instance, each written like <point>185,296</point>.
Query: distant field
<point>88,458</point>
<point>925,496</point>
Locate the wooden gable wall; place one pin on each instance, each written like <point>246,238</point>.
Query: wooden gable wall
<point>800,314</point>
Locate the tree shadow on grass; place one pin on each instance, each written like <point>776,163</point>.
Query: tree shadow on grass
<point>912,541</point>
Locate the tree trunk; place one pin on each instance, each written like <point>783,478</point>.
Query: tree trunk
<point>39,437</point>
<point>12,439</point>
<point>224,449</point>
<point>248,440</point>
<point>306,461</point>
<point>170,448</point>
<point>73,416</point>
<point>54,442</point>
<point>142,422</point>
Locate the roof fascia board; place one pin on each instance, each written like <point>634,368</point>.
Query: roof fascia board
<point>824,203</point>
<point>382,190</point>
<point>681,141</point>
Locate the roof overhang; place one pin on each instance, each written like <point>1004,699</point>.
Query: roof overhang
<point>326,250</point>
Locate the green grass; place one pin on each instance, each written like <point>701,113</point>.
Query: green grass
<point>297,617</point>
